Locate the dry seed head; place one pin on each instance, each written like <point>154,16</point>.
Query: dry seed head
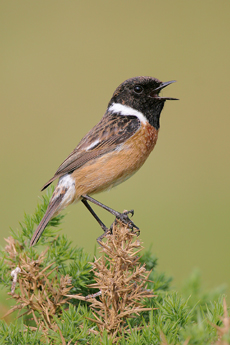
<point>37,288</point>
<point>121,281</point>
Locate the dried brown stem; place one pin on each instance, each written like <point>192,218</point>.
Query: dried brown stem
<point>36,293</point>
<point>120,280</point>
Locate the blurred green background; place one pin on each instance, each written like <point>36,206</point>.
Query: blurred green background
<point>61,62</point>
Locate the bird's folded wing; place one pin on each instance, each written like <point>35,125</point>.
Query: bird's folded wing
<point>111,131</point>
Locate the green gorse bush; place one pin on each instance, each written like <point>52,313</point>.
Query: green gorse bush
<point>44,309</point>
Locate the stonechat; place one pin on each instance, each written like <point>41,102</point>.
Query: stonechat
<point>112,151</point>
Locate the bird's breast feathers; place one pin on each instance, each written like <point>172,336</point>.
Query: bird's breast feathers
<point>111,152</point>
<point>116,166</point>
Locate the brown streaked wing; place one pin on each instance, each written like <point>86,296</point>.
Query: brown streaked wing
<point>111,131</point>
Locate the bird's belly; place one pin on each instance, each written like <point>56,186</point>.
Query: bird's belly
<point>117,166</point>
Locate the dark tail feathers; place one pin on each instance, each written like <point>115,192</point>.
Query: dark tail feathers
<point>46,218</point>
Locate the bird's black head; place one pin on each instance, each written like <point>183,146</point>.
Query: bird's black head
<point>142,94</point>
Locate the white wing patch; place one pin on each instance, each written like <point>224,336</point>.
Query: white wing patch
<point>94,143</point>
<point>128,111</point>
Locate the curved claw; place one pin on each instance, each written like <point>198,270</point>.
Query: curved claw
<point>129,212</point>
<point>125,219</point>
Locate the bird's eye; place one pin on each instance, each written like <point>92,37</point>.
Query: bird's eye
<point>138,89</point>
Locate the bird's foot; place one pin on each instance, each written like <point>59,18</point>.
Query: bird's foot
<point>109,231</point>
<point>124,218</point>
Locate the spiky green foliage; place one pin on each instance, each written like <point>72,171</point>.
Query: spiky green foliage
<point>189,316</point>
<point>16,333</point>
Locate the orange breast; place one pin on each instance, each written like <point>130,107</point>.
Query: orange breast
<point>115,167</point>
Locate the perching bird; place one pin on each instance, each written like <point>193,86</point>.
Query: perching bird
<point>112,151</point>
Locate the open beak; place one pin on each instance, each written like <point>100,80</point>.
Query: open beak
<point>155,92</point>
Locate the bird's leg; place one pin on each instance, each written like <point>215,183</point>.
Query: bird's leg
<point>121,216</point>
<point>102,225</point>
